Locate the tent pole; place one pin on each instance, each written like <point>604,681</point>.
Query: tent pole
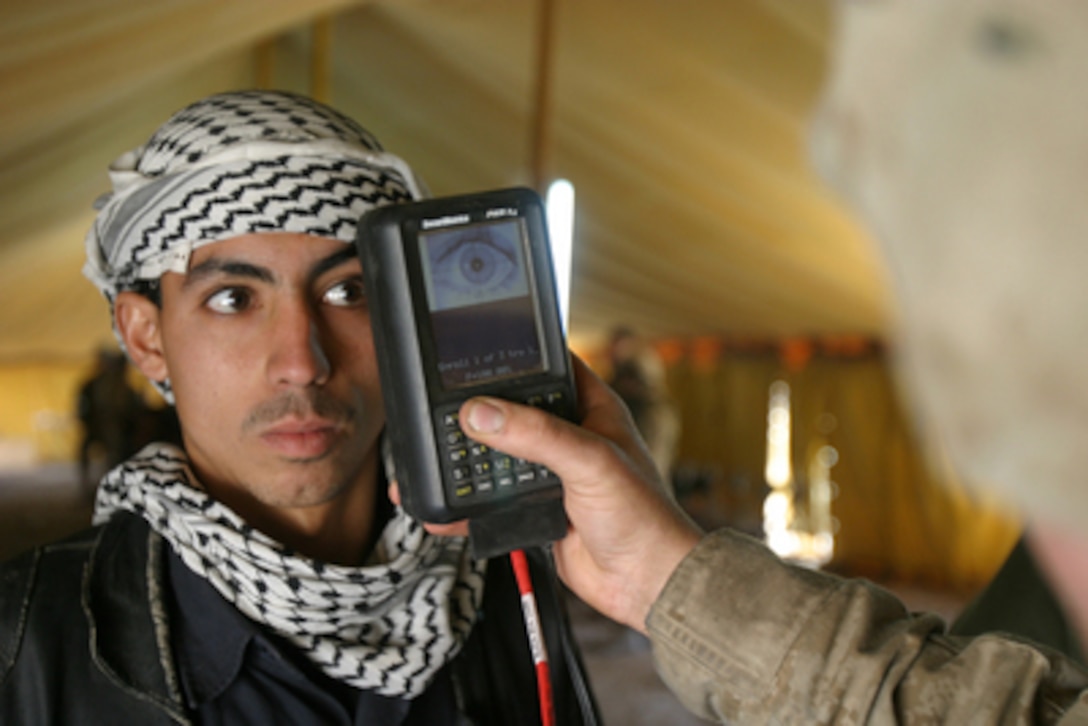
<point>265,63</point>
<point>542,98</point>
<point>321,60</point>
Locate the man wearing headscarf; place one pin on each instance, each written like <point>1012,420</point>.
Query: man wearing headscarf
<point>260,573</point>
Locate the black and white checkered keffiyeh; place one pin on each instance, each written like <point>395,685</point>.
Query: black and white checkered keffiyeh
<point>388,627</point>
<point>232,164</point>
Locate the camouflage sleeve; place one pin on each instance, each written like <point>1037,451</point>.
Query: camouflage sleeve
<point>741,637</point>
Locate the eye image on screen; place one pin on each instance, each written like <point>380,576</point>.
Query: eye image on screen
<point>474,264</point>
<point>482,312</point>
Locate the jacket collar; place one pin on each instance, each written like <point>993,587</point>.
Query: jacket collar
<point>123,597</point>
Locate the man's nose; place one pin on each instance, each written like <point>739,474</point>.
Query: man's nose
<point>298,355</point>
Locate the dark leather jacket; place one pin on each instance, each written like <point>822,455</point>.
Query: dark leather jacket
<point>84,639</point>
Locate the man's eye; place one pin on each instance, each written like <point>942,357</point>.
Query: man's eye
<point>474,268</point>
<point>229,300</point>
<point>345,293</point>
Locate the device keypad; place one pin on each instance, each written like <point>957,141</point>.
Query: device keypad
<point>478,471</point>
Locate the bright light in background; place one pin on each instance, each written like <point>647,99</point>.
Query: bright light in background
<point>778,512</point>
<point>797,521</point>
<point>779,469</point>
<point>560,205</point>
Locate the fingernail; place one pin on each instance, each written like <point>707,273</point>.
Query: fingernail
<point>485,417</point>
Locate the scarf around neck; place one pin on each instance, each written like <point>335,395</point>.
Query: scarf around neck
<point>386,627</point>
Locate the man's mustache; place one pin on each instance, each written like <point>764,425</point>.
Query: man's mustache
<point>319,403</point>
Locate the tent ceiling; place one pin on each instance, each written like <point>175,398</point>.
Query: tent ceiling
<point>681,125</point>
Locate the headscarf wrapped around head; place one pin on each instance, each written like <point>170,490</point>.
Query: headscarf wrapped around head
<point>232,164</point>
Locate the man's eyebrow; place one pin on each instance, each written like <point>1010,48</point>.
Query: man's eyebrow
<point>333,261</point>
<point>220,266</point>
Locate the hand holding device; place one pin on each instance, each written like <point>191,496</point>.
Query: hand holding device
<point>627,535</point>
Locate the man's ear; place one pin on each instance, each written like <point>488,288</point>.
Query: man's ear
<point>137,321</point>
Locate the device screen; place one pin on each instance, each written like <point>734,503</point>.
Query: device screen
<point>483,314</point>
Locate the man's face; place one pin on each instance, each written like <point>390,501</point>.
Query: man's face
<point>267,344</point>
<point>957,130</point>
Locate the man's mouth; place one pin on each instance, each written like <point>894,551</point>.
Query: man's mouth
<point>308,439</point>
